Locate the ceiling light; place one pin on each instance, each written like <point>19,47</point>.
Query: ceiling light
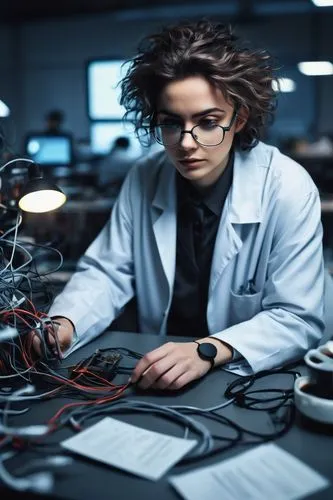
<point>4,110</point>
<point>284,85</point>
<point>315,68</point>
<point>323,3</point>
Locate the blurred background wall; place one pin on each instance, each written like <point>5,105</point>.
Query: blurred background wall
<point>44,52</point>
<point>43,55</point>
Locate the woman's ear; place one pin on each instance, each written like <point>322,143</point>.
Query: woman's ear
<point>242,116</point>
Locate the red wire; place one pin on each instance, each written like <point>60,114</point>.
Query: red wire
<point>29,363</point>
<point>32,305</point>
<point>85,371</point>
<point>52,420</point>
<point>22,311</point>
<point>26,352</point>
<point>72,383</point>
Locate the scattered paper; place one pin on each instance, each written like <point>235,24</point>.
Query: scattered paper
<point>125,446</point>
<point>259,474</point>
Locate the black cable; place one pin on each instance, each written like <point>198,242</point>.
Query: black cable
<point>239,390</point>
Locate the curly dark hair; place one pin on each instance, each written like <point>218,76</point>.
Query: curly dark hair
<point>202,48</point>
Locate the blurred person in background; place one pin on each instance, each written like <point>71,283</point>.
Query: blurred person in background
<point>54,120</point>
<point>114,167</point>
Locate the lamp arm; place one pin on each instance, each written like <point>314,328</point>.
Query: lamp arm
<point>15,160</point>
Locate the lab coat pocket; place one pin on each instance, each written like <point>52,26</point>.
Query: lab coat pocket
<point>243,307</point>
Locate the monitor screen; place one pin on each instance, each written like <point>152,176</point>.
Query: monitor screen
<point>53,150</point>
<point>104,134</point>
<point>103,92</point>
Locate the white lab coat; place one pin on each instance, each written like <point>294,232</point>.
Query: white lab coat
<point>267,275</point>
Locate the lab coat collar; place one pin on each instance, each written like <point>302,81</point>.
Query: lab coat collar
<point>245,197</point>
<point>244,206</point>
<point>164,218</point>
<point>165,194</point>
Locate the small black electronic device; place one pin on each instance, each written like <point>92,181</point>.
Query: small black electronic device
<point>103,364</point>
<point>207,351</point>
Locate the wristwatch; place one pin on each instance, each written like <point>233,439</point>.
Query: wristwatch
<point>207,351</point>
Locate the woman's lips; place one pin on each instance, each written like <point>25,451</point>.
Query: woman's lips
<point>191,163</point>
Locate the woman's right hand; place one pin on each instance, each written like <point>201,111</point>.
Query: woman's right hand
<point>63,330</point>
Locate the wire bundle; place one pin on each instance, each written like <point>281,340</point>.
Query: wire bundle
<point>20,322</point>
<point>191,418</point>
<point>91,389</point>
<point>90,382</point>
<point>21,284</point>
<point>104,398</point>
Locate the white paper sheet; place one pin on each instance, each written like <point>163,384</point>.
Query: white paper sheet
<point>266,472</point>
<point>142,452</point>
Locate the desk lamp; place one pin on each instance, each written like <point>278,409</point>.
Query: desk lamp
<point>39,195</point>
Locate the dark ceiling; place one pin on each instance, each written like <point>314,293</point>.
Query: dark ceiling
<point>22,10</point>
<point>31,10</point>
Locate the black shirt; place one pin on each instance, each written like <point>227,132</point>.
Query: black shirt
<point>198,218</point>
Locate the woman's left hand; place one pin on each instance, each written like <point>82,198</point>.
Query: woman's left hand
<point>171,366</point>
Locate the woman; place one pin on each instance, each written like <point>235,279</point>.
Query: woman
<point>219,236</point>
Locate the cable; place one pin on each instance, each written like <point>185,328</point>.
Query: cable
<point>15,161</point>
<point>39,482</point>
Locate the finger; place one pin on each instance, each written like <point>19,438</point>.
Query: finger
<point>44,345</point>
<point>169,377</point>
<point>181,381</point>
<point>156,371</point>
<point>148,360</point>
<point>59,340</point>
<point>65,342</point>
<point>51,341</point>
<point>36,344</point>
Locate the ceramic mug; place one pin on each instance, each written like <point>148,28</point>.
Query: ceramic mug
<point>320,363</point>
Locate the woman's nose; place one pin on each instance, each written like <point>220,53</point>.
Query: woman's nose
<point>187,140</point>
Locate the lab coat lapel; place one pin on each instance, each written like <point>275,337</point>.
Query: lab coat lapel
<point>164,220</point>
<point>242,206</point>
<point>227,244</point>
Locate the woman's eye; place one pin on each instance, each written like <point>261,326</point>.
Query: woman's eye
<point>208,124</point>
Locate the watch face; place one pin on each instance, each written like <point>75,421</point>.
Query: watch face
<point>207,350</point>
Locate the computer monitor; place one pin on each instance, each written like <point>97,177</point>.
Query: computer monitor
<point>103,92</point>
<point>50,150</point>
<point>104,134</point>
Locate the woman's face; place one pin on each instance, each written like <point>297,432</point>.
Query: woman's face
<point>190,102</point>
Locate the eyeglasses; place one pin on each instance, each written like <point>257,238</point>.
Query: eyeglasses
<point>207,133</point>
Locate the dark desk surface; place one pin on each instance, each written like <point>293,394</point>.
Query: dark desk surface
<point>87,479</point>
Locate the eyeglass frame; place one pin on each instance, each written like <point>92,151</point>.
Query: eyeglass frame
<point>225,129</point>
